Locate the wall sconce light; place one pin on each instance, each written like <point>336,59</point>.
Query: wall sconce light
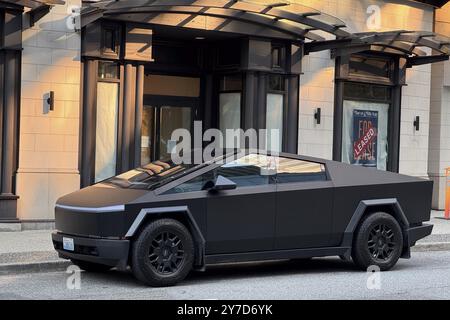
<point>318,115</point>
<point>417,123</point>
<point>51,100</point>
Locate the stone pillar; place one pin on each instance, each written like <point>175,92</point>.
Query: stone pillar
<point>10,105</point>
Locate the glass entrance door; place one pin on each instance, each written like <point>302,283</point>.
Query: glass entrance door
<point>170,103</point>
<point>158,124</point>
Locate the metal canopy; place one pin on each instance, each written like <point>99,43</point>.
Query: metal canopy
<point>33,4</point>
<point>434,3</point>
<point>297,21</point>
<point>410,44</point>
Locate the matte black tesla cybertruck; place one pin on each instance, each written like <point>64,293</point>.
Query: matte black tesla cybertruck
<point>163,220</point>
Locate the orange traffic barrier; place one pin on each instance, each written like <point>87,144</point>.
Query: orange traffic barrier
<point>447,195</point>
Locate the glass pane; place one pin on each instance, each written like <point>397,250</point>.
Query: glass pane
<point>147,134</point>
<point>172,118</point>
<point>367,66</point>
<point>110,43</point>
<point>194,185</point>
<point>274,121</point>
<point>108,70</point>
<point>249,171</point>
<point>361,91</point>
<point>293,170</point>
<point>106,130</point>
<point>171,86</point>
<point>276,57</point>
<point>365,134</point>
<point>276,83</point>
<point>230,113</point>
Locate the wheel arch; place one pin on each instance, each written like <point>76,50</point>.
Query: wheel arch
<point>366,207</point>
<point>181,214</point>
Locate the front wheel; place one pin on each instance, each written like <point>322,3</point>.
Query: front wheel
<point>163,253</point>
<point>378,242</point>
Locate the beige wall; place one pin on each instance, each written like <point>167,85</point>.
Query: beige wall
<point>48,154</point>
<point>439,156</point>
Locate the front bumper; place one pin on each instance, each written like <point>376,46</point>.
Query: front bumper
<point>418,232</point>
<point>108,252</point>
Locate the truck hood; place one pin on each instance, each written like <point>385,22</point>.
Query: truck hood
<point>100,198</point>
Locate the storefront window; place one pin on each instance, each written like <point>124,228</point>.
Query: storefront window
<point>106,130</point>
<point>230,111</point>
<point>370,109</point>
<point>274,121</point>
<point>148,131</point>
<point>230,104</point>
<point>171,119</point>
<point>274,113</point>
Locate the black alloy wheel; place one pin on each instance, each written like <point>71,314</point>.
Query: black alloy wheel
<point>163,253</point>
<point>166,253</point>
<point>381,243</point>
<point>377,241</point>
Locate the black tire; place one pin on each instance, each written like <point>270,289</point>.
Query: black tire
<point>163,253</point>
<point>91,267</point>
<point>378,241</point>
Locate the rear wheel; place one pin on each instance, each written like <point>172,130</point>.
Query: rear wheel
<point>378,242</point>
<point>91,267</point>
<point>163,253</point>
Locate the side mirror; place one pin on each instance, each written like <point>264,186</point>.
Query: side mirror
<point>221,184</point>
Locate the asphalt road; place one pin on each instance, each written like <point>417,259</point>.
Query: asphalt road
<point>425,276</point>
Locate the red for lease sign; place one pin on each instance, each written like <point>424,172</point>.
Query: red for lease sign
<point>364,142</point>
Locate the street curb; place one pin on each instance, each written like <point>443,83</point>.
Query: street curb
<point>33,267</point>
<point>431,246</point>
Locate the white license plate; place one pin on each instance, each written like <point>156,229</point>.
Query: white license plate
<point>68,244</point>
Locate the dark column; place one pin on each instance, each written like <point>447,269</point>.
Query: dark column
<point>208,111</point>
<point>292,114</point>
<point>11,92</point>
<point>88,123</point>
<point>128,121</point>
<point>394,128</point>
<point>2,68</point>
<point>10,55</point>
<point>261,102</point>
<point>140,75</point>
<point>250,101</point>
<point>337,121</point>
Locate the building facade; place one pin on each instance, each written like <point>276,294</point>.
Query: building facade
<point>92,96</point>
<point>439,139</point>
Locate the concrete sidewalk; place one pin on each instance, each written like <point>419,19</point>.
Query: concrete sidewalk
<point>28,251</point>
<point>32,251</point>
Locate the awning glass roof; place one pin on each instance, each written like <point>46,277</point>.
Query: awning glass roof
<point>33,3</point>
<point>294,21</point>
<point>297,21</point>
<point>419,47</point>
<point>405,39</point>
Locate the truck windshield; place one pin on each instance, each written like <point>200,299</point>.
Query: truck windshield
<point>151,176</point>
